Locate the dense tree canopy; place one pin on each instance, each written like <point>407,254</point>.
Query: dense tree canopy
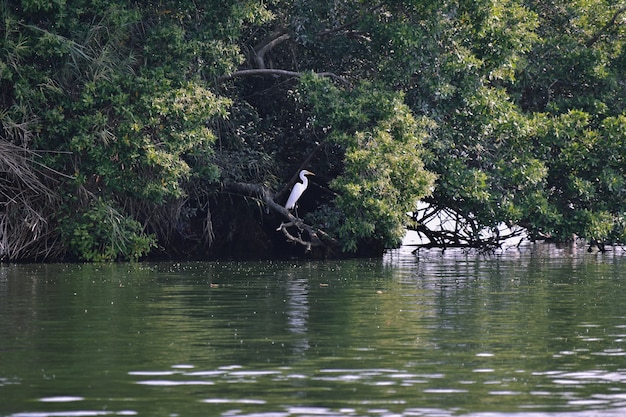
<point>175,128</point>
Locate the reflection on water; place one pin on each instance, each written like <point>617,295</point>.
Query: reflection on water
<point>528,332</point>
<point>298,311</point>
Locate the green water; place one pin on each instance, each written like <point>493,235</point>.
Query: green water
<point>530,332</point>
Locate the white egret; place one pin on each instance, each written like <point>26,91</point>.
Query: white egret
<point>297,190</point>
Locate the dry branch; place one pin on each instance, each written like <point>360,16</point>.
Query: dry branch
<point>260,51</point>
<point>281,73</point>
<point>267,198</point>
<point>445,228</point>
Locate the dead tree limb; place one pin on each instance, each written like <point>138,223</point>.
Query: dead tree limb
<point>316,237</point>
<point>281,73</point>
<point>281,35</point>
<point>276,38</point>
<point>445,228</point>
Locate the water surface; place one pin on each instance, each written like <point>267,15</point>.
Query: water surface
<point>531,332</point>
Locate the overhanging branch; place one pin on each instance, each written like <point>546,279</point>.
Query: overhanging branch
<point>445,228</point>
<point>315,237</point>
<point>260,51</point>
<point>279,73</point>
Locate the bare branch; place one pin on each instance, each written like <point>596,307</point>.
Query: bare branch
<point>267,197</point>
<point>445,228</point>
<point>277,37</point>
<point>259,56</point>
<point>279,72</point>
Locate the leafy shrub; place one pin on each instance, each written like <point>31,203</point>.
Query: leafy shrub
<point>100,233</point>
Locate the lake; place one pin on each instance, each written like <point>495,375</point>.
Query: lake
<point>529,331</point>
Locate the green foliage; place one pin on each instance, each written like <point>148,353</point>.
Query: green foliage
<point>76,85</point>
<point>175,130</point>
<point>505,36</point>
<point>383,176</point>
<point>101,233</point>
<point>503,85</point>
<point>575,64</point>
<point>188,40</point>
<point>586,178</point>
<point>516,107</point>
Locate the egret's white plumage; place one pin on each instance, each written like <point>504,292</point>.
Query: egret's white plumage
<point>298,189</point>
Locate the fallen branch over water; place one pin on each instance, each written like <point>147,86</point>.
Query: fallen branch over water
<point>306,235</point>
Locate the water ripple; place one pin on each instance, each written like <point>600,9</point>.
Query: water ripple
<point>60,399</point>
<point>74,413</point>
